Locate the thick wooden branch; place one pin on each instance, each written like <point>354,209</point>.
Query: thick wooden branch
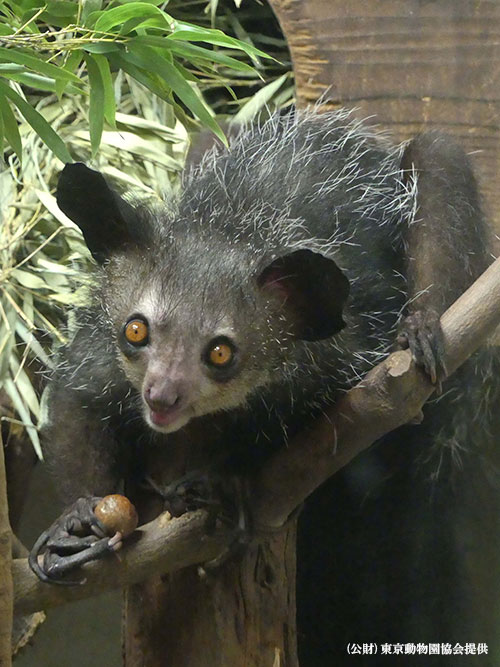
<point>163,545</point>
<point>390,395</point>
<point>6,586</point>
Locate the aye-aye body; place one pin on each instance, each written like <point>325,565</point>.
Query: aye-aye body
<point>280,275</point>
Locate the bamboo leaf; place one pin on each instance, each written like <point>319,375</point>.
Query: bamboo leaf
<point>35,63</point>
<point>168,133</point>
<point>193,52</point>
<point>38,123</point>
<point>213,10</point>
<point>149,2</point>
<point>34,81</point>
<point>46,265</point>
<point>193,33</point>
<point>187,75</point>
<point>63,8</point>
<point>27,308</point>
<point>148,59</point>
<point>102,47</point>
<point>285,96</point>
<point>7,338</point>
<point>131,24</point>
<point>8,69</point>
<point>50,203</point>
<point>29,25</point>
<point>90,6</point>
<point>259,100</point>
<point>24,414</point>
<point>133,143</point>
<point>70,65</point>
<point>126,62</point>
<point>28,279</point>
<point>24,386</point>
<point>11,129</point>
<point>110,18</point>
<point>96,103</point>
<point>67,298</point>
<point>2,135</point>
<point>29,339</point>
<point>7,346</point>
<point>59,13</point>
<point>109,92</point>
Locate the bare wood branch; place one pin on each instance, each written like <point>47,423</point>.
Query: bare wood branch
<point>163,545</point>
<point>390,395</point>
<point>24,628</point>
<point>6,585</point>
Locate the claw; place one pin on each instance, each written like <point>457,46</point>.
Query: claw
<point>55,565</point>
<point>75,538</point>
<point>421,333</point>
<point>225,496</point>
<point>196,490</point>
<point>33,557</point>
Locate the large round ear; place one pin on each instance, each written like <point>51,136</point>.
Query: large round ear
<point>312,290</point>
<point>85,197</point>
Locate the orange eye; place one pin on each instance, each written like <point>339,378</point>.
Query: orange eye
<point>220,355</point>
<point>136,332</point>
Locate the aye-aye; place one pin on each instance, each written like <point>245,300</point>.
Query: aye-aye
<point>287,267</point>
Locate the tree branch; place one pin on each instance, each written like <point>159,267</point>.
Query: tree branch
<point>6,586</point>
<point>390,395</point>
<point>163,545</point>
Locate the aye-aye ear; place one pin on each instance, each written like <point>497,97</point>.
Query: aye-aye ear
<point>313,291</point>
<point>85,197</point>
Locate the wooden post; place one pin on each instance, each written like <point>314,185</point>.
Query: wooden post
<point>412,65</point>
<point>241,612</point>
<point>6,589</point>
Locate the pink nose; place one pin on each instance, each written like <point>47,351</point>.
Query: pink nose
<point>162,397</point>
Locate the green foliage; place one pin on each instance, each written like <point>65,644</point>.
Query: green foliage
<point>37,40</point>
<point>119,84</point>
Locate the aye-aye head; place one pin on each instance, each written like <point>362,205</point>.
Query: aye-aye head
<point>200,321</point>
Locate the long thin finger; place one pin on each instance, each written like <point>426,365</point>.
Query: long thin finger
<point>428,358</point>
<point>58,566</point>
<point>63,545</point>
<point>33,556</point>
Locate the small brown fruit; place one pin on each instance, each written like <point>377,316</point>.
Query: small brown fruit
<point>117,514</point>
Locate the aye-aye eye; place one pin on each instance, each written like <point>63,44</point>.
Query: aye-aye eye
<point>136,332</point>
<point>220,353</point>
